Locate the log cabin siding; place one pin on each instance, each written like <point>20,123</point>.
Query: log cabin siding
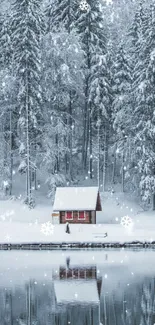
<point>75,219</point>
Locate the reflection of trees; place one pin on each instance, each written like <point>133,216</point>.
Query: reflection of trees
<point>78,315</point>
<point>8,308</point>
<point>148,303</point>
<point>36,304</point>
<point>28,314</point>
<point>134,305</point>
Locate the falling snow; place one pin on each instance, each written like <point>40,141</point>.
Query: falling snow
<point>84,6</point>
<point>126,222</point>
<point>47,228</point>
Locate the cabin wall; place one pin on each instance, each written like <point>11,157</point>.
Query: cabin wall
<point>93,217</point>
<point>75,219</point>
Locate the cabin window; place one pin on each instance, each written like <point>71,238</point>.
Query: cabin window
<point>82,215</point>
<point>69,215</point>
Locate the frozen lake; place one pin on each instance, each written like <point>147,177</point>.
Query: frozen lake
<point>112,287</point>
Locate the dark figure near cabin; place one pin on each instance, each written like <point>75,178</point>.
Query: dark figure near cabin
<point>68,262</point>
<point>67,228</point>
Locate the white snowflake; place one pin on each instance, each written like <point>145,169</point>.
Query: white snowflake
<point>2,217</point>
<point>126,222</point>
<point>84,6</point>
<point>7,213</point>
<point>47,228</point>
<point>7,237</point>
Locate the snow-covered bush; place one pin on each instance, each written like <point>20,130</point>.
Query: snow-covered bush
<point>54,181</point>
<point>22,167</point>
<point>30,203</point>
<point>6,186</point>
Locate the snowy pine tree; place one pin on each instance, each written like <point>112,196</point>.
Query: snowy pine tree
<point>60,21</point>
<point>90,26</point>
<point>121,105</point>
<point>146,113</point>
<point>27,28</point>
<point>100,103</point>
<point>60,14</point>
<point>134,43</point>
<point>62,73</point>
<point>7,112</point>
<point>141,58</point>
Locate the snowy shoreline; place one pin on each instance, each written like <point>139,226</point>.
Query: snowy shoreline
<point>74,246</point>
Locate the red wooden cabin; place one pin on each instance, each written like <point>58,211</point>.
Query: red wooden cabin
<point>77,204</point>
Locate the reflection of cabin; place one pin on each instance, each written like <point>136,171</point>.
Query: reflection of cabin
<point>76,204</point>
<point>76,291</point>
<point>80,299</point>
<point>79,273</point>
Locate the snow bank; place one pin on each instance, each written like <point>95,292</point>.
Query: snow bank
<point>15,232</point>
<point>18,224</point>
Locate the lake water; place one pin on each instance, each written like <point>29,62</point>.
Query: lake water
<point>112,287</point>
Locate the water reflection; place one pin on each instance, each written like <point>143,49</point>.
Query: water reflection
<point>76,291</point>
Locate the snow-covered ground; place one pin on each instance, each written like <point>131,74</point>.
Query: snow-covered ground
<point>16,232</point>
<point>18,224</point>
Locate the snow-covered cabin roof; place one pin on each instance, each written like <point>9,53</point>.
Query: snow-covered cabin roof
<point>75,198</point>
<point>71,291</point>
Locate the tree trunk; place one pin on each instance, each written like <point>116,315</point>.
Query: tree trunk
<point>123,169</point>
<point>28,176</point>
<point>70,144</point>
<point>86,130</point>
<point>66,143</point>
<point>153,202</point>
<point>90,148</point>
<point>70,136</point>
<point>56,169</point>
<point>87,108</point>
<point>105,159</point>
<point>98,160</point>
<point>114,165</point>
<point>84,138</point>
<point>11,153</point>
<point>87,141</point>
<point>35,161</point>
